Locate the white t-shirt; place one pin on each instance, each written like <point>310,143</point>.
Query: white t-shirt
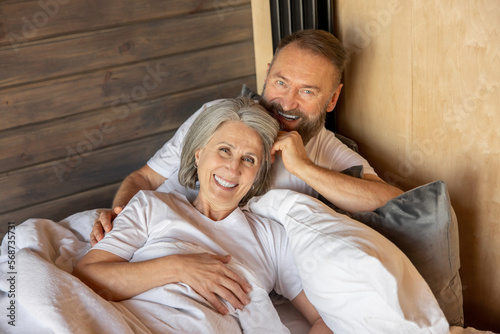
<point>156,224</point>
<point>324,150</point>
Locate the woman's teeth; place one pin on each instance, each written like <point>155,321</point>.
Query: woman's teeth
<point>288,117</point>
<point>224,183</point>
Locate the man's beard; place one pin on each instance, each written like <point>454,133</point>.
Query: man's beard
<point>308,127</point>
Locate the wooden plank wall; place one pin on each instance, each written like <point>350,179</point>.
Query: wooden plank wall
<point>89,90</point>
<point>422,100</point>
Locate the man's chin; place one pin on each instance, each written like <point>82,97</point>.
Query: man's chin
<point>289,125</point>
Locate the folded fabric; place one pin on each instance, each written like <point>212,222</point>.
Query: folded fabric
<point>357,279</point>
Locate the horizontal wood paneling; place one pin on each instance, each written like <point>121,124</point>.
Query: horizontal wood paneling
<point>104,127</point>
<point>145,40</point>
<point>61,208</point>
<point>91,95</point>
<point>76,173</point>
<point>111,88</point>
<point>22,21</point>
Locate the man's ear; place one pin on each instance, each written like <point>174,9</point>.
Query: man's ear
<point>334,99</point>
<point>268,68</point>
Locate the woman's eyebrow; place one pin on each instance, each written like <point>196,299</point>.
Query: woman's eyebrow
<point>233,147</point>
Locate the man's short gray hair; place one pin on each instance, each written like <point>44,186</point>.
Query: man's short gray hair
<point>240,109</point>
<point>319,42</point>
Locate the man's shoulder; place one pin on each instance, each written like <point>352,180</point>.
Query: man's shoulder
<point>324,136</point>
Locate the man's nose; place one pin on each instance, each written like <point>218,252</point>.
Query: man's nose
<point>289,100</point>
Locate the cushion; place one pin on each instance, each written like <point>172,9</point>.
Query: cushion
<point>357,279</point>
<point>422,223</point>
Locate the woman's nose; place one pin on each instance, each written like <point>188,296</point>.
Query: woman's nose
<point>233,165</point>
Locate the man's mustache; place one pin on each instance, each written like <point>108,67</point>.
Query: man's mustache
<point>275,108</point>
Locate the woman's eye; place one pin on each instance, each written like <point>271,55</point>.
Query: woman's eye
<point>249,160</point>
<point>224,150</point>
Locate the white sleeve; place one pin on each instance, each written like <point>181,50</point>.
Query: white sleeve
<point>333,154</point>
<point>167,159</point>
<point>130,230</point>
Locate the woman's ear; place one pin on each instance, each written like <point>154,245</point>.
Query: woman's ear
<point>196,157</point>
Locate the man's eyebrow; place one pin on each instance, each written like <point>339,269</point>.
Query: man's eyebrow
<point>282,77</point>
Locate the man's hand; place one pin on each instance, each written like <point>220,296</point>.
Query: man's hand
<point>209,276</point>
<point>103,224</point>
<point>293,152</point>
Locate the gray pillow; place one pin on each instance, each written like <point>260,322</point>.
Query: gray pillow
<point>422,223</point>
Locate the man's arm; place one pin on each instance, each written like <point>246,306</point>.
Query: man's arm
<point>305,307</point>
<point>346,192</point>
<point>144,178</point>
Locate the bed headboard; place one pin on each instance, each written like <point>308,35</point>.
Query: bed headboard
<point>89,92</point>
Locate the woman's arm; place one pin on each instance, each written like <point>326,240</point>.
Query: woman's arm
<point>310,313</point>
<point>114,278</point>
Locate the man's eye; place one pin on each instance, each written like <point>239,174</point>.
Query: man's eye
<point>281,83</point>
<point>225,150</point>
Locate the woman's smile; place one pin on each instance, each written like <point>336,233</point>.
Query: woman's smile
<point>224,183</point>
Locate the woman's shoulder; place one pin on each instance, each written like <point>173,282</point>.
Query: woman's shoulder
<point>263,225</point>
<point>153,197</point>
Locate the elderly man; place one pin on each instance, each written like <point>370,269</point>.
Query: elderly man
<point>302,85</point>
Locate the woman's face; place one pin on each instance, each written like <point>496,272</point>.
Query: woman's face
<point>228,165</point>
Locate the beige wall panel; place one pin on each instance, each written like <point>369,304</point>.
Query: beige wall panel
<point>456,96</point>
<point>262,39</point>
<point>422,98</point>
<point>375,110</point>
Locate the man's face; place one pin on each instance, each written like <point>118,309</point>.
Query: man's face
<point>299,90</point>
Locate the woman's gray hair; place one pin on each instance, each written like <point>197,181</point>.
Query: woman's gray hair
<point>240,109</point>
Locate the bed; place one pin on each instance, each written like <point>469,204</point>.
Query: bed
<point>352,267</point>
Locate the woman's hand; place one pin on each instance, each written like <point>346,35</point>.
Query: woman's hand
<point>209,276</point>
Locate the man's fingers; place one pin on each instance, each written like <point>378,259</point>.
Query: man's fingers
<point>93,240</point>
<point>97,231</point>
<point>105,219</point>
<point>118,209</point>
<point>101,225</point>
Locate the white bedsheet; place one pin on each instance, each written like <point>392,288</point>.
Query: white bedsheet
<point>48,299</point>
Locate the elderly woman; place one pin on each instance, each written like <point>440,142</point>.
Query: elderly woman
<point>187,259</point>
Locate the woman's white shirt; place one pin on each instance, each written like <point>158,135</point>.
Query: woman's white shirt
<point>156,224</point>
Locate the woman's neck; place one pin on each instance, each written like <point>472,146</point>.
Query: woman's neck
<point>213,212</point>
